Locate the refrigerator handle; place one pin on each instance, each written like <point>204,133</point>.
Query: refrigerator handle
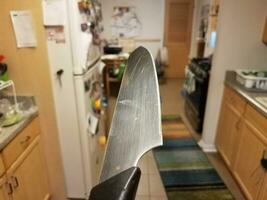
<point>59,74</point>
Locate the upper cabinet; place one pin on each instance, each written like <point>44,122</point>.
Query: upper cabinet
<point>264,38</point>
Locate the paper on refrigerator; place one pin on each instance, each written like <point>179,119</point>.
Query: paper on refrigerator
<point>54,12</point>
<point>23,28</point>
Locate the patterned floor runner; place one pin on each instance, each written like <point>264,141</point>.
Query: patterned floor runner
<point>186,171</point>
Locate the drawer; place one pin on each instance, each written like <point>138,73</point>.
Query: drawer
<point>20,142</point>
<point>258,120</point>
<point>234,99</point>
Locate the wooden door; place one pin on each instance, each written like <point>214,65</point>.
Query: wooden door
<point>264,37</point>
<point>178,25</point>
<point>247,169</point>
<point>28,175</point>
<point>5,189</point>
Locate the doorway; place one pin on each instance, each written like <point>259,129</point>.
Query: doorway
<point>177,39</point>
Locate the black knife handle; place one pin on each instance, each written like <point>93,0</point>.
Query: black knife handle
<point>123,186</point>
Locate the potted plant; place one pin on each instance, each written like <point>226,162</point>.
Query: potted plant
<point>3,69</point>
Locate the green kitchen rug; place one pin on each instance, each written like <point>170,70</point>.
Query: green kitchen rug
<point>186,172</point>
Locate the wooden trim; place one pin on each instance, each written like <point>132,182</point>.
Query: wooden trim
<point>148,40</point>
<point>2,166</point>
<point>165,23</point>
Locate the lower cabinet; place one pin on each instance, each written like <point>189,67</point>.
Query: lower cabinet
<point>263,195</point>
<point>23,173</point>
<point>227,132</point>
<point>247,169</point>
<point>27,175</point>
<point>242,142</point>
<point>5,189</point>
<point>229,125</point>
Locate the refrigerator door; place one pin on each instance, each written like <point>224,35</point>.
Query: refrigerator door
<point>60,59</point>
<point>88,94</point>
<point>84,51</point>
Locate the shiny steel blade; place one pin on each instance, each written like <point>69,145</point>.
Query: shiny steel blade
<point>136,123</point>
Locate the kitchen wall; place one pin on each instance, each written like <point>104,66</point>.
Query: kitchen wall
<point>29,69</point>
<point>151,15</point>
<point>239,45</point>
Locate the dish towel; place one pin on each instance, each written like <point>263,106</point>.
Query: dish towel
<point>190,82</point>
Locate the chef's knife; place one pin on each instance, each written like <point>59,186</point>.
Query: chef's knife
<point>135,129</point>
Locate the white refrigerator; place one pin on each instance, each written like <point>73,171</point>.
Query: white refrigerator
<point>76,80</point>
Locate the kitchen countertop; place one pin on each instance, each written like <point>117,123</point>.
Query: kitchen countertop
<point>29,111</point>
<point>230,80</point>
<point>8,133</point>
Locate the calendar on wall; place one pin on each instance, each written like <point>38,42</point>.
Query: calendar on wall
<point>125,22</point>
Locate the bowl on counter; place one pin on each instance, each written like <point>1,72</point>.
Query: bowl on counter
<point>112,49</point>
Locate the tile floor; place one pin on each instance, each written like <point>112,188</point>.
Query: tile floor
<point>150,186</point>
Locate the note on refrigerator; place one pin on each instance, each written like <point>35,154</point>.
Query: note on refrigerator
<point>23,27</point>
<point>92,124</point>
<point>54,12</point>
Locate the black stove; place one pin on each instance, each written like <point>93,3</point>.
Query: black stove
<point>195,101</point>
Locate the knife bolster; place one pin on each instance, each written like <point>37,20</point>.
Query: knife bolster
<point>122,186</point>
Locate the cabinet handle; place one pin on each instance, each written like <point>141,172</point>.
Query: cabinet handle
<point>9,188</point>
<point>264,160</point>
<point>14,181</point>
<point>25,140</point>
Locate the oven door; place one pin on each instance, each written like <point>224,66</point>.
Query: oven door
<point>195,99</point>
<point>193,89</point>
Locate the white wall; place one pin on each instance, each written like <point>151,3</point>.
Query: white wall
<point>150,13</point>
<point>239,45</point>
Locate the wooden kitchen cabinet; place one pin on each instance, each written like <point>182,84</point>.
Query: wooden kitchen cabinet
<point>16,147</point>
<point>28,174</point>
<point>242,141</point>
<point>23,174</point>
<point>263,195</point>
<point>5,189</point>
<point>230,120</point>
<point>247,169</point>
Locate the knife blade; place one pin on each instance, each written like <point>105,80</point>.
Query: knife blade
<point>136,122</point>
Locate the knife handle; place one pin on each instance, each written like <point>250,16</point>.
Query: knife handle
<point>122,186</point>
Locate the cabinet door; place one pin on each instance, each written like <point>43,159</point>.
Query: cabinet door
<point>5,189</point>
<point>263,195</point>
<point>247,169</point>
<point>228,127</point>
<point>28,175</point>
